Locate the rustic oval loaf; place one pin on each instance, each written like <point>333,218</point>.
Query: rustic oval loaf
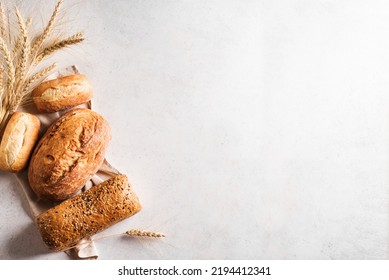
<point>69,154</point>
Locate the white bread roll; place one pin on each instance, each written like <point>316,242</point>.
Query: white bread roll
<point>62,93</point>
<point>18,141</point>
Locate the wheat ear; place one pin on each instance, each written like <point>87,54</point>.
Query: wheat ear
<point>47,31</point>
<point>72,40</point>
<point>25,48</point>
<point>3,23</point>
<point>144,233</point>
<point>18,42</point>
<point>10,65</point>
<point>131,232</point>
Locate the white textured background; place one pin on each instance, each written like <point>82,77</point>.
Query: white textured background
<point>249,129</point>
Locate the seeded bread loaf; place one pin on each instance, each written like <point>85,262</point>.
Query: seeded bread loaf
<point>86,214</point>
<point>62,93</point>
<point>69,154</point>
<point>18,141</point>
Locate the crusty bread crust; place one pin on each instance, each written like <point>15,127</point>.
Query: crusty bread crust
<point>62,93</point>
<point>69,153</point>
<point>92,211</point>
<point>18,141</point>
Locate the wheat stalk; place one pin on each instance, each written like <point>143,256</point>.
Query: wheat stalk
<point>18,42</point>
<point>72,40</point>
<point>49,27</point>
<point>25,48</point>
<point>144,233</point>
<point>3,23</point>
<point>20,57</point>
<point>9,63</point>
<point>132,232</point>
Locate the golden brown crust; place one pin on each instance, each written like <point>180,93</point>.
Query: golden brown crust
<point>62,93</point>
<point>18,141</point>
<point>70,152</point>
<point>92,211</point>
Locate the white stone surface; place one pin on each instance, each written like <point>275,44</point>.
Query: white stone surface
<point>249,129</point>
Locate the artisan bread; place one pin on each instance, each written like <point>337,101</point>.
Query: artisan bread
<point>69,154</point>
<point>62,93</point>
<point>86,214</point>
<point>18,141</point>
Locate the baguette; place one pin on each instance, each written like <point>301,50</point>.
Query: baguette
<point>88,213</point>
<point>18,141</point>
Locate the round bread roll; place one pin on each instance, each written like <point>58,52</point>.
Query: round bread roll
<point>19,138</point>
<point>68,154</point>
<point>62,93</point>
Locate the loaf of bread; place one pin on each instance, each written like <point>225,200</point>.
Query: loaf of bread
<point>18,141</point>
<point>86,214</point>
<point>62,93</point>
<point>69,154</point>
